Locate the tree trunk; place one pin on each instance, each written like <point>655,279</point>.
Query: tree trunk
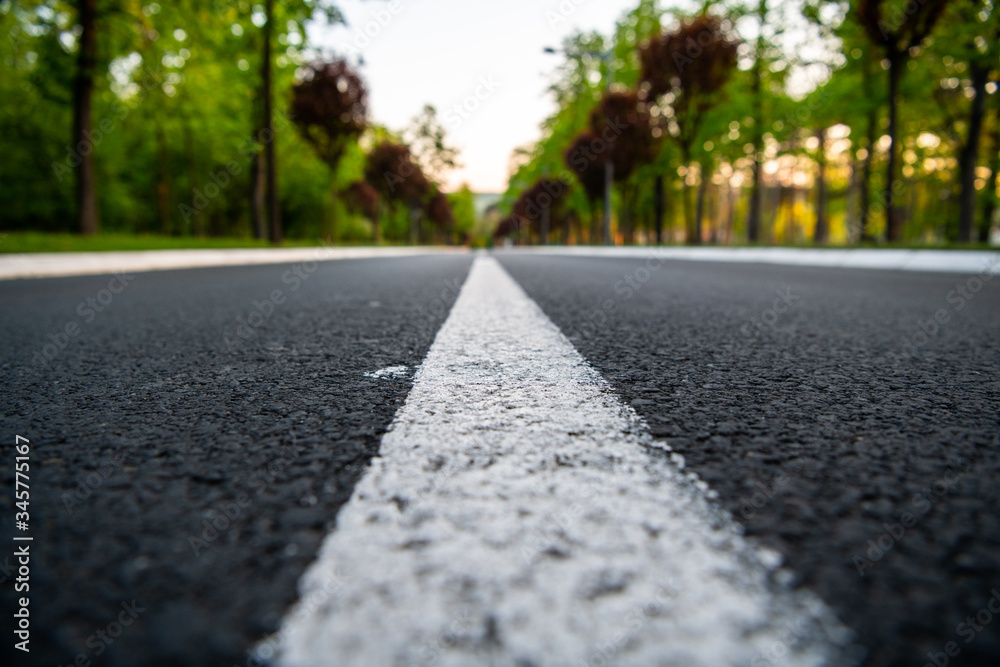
<point>86,197</point>
<point>658,204</point>
<point>754,214</point>
<point>897,61</point>
<point>609,180</point>
<point>627,226</point>
<point>852,202</point>
<point>688,205</point>
<point>595,225</point>
<point>258,180</point>
<point>970,153</point>
<point>730,211</point>
<point>193,182</point>
<point>273,210</point>
<point>864,197</point>
<point>792,223</point>
<point>821,232</point>
<point>163,182</point>
<point>376,229</point>
<point>990,203</point>
<point>333,209</point>
<point>415,225</point>
<point>700,208</point>
<point>543,231</point>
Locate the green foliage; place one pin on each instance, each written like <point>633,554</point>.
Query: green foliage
<point>177,110</point>
<point>463,206</point>
<point>806,69</point>
<point>176,114</point>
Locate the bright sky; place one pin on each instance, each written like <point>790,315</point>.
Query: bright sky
<point>444,52</point>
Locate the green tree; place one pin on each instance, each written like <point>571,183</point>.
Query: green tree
<point>970,35</point>
<point>897,28</point>
<point>396,176</point>
<point>428,144</point>
<point>683,72</point>
<point>463,205</point>
<point>330,108</point>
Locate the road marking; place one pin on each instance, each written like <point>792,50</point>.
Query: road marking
<point>388,372</point>
<point>519,514</point>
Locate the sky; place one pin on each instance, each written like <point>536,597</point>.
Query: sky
<point>484,57</point>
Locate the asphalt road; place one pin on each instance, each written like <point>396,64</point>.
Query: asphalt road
<point>822,427</point>
<point>162,415</point>
<point>189,455</point>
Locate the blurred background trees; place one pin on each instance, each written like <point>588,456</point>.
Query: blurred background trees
<point>740,121</point>
<point>179,118</point>
<point>791,122</point>
<point>330,108</point>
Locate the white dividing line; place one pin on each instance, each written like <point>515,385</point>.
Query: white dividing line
<point>519,514</point>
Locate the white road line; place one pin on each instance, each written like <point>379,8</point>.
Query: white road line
<point>519,514</point>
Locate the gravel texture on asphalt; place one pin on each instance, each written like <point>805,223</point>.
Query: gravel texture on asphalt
<point>189,455</point>
<point>837,429</point>
<point>514,516</point>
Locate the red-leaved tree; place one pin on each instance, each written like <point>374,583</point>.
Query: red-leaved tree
<point>684,71</point>
<point>583,160</point>
<point>392,171</point>
<point>330,108</point>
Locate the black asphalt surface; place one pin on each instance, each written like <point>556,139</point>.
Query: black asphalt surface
<point>186,464</point>
<point>864,451</point>
<point>188,456</point>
